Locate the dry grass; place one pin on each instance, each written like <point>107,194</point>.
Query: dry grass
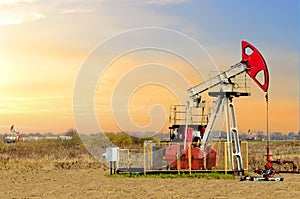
<point>47,155</point>
<point>72,154</point>
<point>284,150</point>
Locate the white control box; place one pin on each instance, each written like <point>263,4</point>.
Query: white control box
<point>112,154</point>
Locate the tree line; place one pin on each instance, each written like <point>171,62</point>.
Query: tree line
<point>259,135</point>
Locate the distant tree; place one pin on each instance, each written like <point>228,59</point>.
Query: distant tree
<point>291,136</point>
<point>260,135</point>
<point>120,139</point>
<point>36,134</point>
<point>223,135</point>
<point>49,134</point>
<point>277,136</point>
<point>71,132</point>
<point>243,136</point>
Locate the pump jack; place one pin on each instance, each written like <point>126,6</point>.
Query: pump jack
<point>202,155</point>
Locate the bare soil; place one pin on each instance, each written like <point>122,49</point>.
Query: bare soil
<point>94,183</point>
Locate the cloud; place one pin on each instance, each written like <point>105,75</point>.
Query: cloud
<point>166,2</point>
<point>10,17</point>
<point>77,11</point>
<point>7,2</point>
<point>28,99</point>
<point>18,12</point>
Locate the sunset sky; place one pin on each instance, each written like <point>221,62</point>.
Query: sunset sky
<point>44,44</point>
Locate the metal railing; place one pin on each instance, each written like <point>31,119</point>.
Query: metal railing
<point>153,159</point>
<point>179,114</point>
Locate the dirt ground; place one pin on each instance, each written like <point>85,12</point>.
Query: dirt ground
<point>92,183</point>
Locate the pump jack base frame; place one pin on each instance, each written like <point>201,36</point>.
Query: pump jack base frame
<point>261,178</point>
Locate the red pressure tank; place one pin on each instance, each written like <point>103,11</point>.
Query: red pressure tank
<point>197,155</point>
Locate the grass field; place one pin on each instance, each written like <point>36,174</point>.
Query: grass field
<point>56,169</point>
<point>56,154</point>
<point>284,150</point>
<point>47,155</point>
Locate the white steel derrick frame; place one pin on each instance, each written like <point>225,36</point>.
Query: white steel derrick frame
<point>231,127</point>
<point>224,100</point>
